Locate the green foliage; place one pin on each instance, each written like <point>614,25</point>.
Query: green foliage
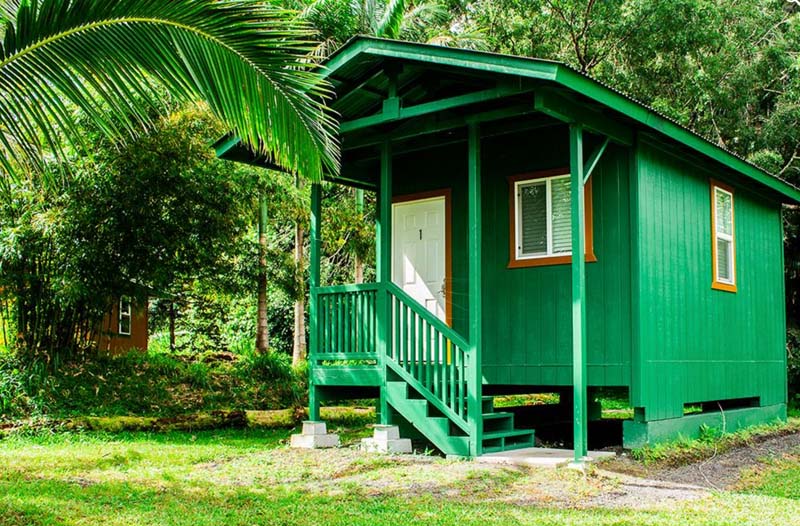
<point>273,366</point>
<point>336,21</point>
<point>711,442</point>
<point>108,60</point>
<point>157,214</point>
<point>793,364</point>
<point>779,477</point>
<point>150,384</point>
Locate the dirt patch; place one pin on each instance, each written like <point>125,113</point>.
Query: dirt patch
<point>719,471</point>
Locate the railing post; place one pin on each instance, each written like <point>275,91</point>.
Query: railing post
<point>314,282</point>
<point>474,375</point>
<point>580,423</point>
<point>383,232</point>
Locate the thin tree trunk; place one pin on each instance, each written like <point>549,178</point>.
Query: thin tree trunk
<point>300,345</point>
<point>358,269</point>
<point>172,326</point>
<point>262,328</point>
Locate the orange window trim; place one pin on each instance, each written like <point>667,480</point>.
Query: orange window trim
<point>715,283</point>
<point>513,261</point>
<point>448,246</point>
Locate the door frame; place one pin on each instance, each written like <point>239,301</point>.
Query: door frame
<point>448,254</point>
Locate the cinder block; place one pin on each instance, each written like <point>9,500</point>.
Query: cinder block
<point>314,428</point>
<point>396,446</point>
<point>383,433</point>
<point>314,441</point>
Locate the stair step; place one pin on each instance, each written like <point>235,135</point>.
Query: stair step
<point>487,404</point>
<point>507,434</point>
<point>398,389</point>
<point>417,411</point>
<point>493,422</point>
<point>492,416</point>
<point>497,441</point>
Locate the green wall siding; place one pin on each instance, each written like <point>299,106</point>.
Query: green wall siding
<point>526,311</point>
<point>527,338</point>
<point>699,344</point>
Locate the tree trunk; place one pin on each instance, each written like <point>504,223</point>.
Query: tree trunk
<point>358,269</point>
<point>300,346</point>
<point>172,326</point>
<point>262,329</point>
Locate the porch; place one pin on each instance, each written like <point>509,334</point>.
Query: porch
<point>375,340</point>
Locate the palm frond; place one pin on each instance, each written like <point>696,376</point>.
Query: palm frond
<point>247,59</point>
<point>392,19</point>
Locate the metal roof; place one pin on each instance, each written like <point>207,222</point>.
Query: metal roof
<point>362,52</point>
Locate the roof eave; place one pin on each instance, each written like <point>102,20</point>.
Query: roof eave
<point>639,113</point>
<point>564,76</point>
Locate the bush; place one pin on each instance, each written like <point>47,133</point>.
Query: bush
<point>13,396</point>
<point>149,384</point>
<point>273,366</point>
<point>793,364</point>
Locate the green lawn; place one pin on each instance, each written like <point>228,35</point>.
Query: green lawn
<point>251,477</point>
<point>777,478</point>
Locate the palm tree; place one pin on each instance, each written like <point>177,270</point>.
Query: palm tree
<point>113,60</point>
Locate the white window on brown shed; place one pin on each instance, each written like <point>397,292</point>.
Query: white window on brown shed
<point>124,316</point>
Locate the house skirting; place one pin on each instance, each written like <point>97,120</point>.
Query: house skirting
<point>640,434</point>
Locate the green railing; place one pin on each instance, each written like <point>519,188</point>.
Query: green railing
<point>432,356</point>
<point>361,322</point>
<point>347,322</point>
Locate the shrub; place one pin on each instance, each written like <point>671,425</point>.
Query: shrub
<point>793,363</point>
<point>267,366</point>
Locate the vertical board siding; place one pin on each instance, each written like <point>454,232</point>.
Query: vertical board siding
<point>698,344</point>
<point>527,331</point>
<point>527,328</point>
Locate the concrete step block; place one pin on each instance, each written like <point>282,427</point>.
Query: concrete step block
<point>311,427</point>
<point>395,446</point>
<point>314,441</point>
<point>383,433</point>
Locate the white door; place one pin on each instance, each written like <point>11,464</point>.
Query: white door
<point>418,251</point>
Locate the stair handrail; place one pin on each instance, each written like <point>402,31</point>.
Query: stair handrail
<point>428,316</point>
<point>353,287</point>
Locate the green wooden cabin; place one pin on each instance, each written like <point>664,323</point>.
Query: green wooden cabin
<point>490,171</point>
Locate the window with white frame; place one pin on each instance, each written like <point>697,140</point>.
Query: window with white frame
<point>543,217</point>
<point>723,244</point>
<point>124,316</point>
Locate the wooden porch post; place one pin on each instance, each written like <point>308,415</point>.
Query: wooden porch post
<point>315,235</point>
<point>383,254</point>
<point>580,423</point>
<point>475,372</point>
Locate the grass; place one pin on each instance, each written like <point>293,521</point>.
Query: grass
<point>710,443</point>
<point>249,477</point>
<point>526,399</point>
<point>776,478</point>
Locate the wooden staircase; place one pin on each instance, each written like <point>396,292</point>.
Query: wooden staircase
<point>427,371</point>
<point>499,433</point>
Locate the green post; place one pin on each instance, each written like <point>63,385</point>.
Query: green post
<point>314,281</point>
<point>475,378</point>
<point>383,236</point>
<point>580,423</point>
